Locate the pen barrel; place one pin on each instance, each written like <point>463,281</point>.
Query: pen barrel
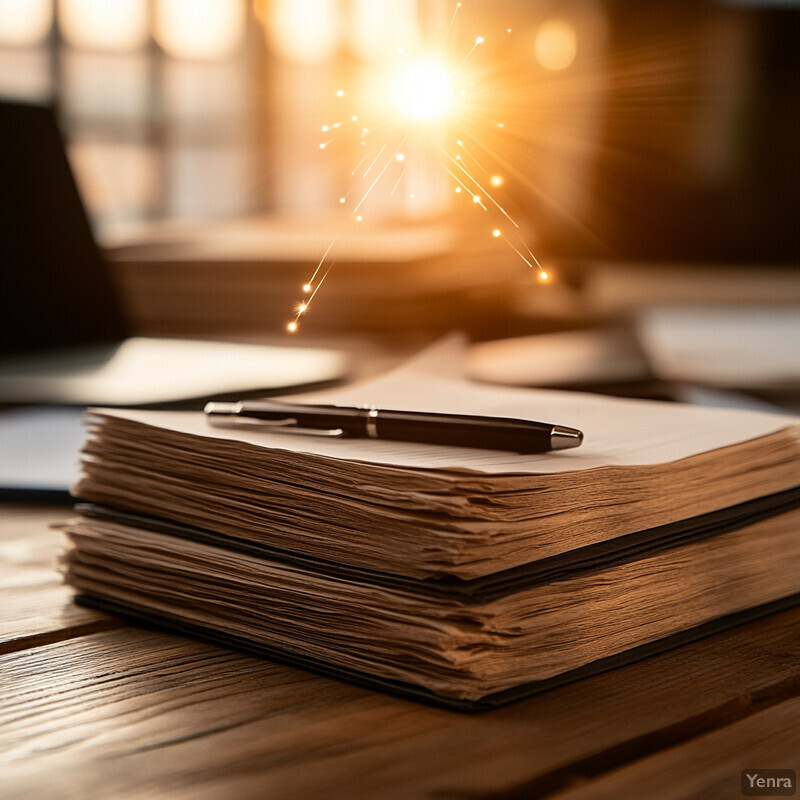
<point>486,433</point>
<point>284,416</point>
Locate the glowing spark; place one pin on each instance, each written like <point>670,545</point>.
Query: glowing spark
<point>400,157</point>
<point>543,276</point>
<point>496,180</point>
<point>476,199</point>
<point>325,128</point>
<point>464,185</point>
<point>340,93</point>
<point>342,200</point>
<point>319,285</point>
<point>293,326</point>
<point>478,41</point>
<point>471,177</point>
<point>475,160</point>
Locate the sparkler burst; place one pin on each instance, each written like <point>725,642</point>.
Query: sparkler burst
<point>417,107</point>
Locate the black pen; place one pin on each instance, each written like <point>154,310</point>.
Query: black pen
<point>488,433</point>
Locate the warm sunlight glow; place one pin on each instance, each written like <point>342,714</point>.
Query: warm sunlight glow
<point>201,29</point>
<point>112,25</point>
<point>423,91</point>
<point>556,44</point>
<point>24,22</point>
<point>301,30</point>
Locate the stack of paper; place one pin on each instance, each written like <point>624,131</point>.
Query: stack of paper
<point>466,577</point>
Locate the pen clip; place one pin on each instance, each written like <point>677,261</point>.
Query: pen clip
<point>288,425</point>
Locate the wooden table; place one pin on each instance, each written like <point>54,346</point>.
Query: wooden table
<point>94,708</point>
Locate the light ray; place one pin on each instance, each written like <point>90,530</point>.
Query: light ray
<point>397,182</point>
<point>468,190</point>
<point>450,26</point>
<point>480,40</point>
<point>478,164</point>
<point>488,194</point>
<point>518,252</point>
<point>374,160</point>
<point>375,182</point>
<point>319,266</point>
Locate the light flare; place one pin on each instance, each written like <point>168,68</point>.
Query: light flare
<point>423,91</point>
<point>422,99</point>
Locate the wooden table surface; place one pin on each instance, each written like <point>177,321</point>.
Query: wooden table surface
<point>94,708</point>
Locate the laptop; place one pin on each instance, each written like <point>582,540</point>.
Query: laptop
<point>63,336</point>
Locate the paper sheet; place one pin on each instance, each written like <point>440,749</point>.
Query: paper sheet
<point>617,432</point>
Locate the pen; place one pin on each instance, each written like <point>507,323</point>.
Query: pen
<point>489,433</point>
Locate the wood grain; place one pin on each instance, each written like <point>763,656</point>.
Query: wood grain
<point>35,607</point>
<point>133,713</point>
<point>708,767</point>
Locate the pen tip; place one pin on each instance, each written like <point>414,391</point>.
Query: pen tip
<point>563,438</point>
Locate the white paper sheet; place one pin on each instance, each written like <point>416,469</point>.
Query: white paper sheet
<point>617,431</point>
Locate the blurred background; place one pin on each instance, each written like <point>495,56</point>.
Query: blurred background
<point>647,152</point>
<point>602,194</point>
